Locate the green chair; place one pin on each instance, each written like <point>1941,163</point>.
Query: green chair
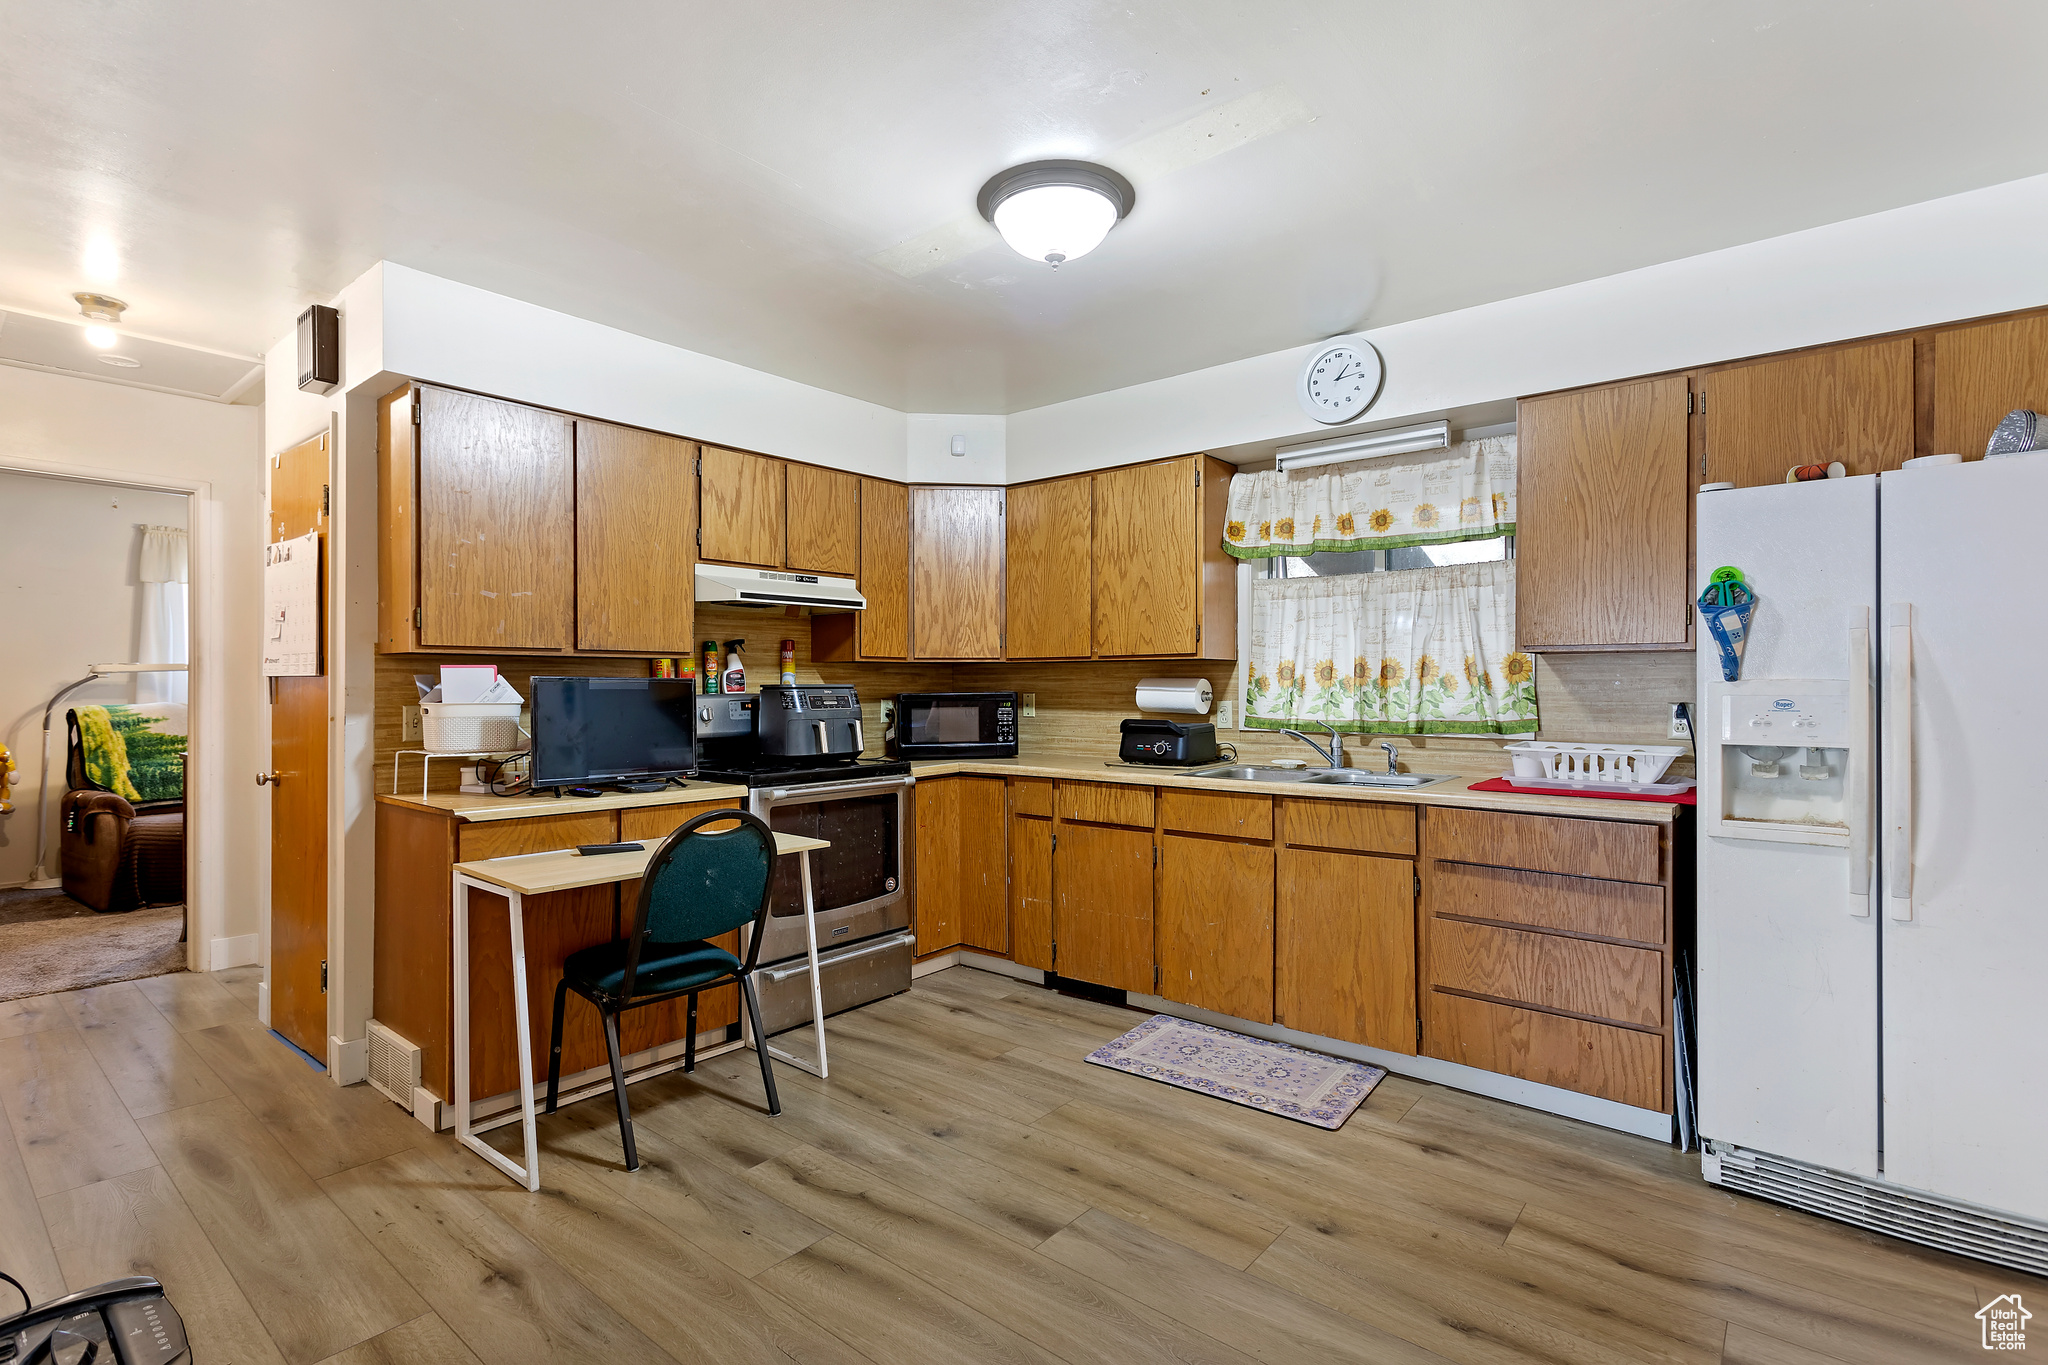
<point>698,885</point>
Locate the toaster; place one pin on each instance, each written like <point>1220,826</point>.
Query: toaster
<point>1170,743</point>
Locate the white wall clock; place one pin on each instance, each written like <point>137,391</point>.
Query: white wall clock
<point>1340,381</point>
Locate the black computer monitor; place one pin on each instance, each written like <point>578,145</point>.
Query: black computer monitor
<point>612,730</point>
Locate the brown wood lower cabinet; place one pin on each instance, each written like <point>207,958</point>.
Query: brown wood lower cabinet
<point>1215,925</point>
<point>961,889</point>
<point>1031,872</point>
<point>1344,947</point>
<point>1102,905</point>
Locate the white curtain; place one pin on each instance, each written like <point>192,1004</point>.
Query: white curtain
<point>1411,652</point>
<point>166,613</point>
<point>1432,497</point>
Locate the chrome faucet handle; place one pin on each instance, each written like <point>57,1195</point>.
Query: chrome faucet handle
<point>1387,748</point>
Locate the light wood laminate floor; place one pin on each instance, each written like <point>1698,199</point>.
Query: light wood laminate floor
<point>964,1188</point>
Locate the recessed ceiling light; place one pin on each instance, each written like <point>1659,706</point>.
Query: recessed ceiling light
<point>121,362</point>
<point>1056,211</point>
<point>104,338</point>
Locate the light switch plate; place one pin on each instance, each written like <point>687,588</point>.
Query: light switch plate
<point>1030,704</point>
<point>409,723</point>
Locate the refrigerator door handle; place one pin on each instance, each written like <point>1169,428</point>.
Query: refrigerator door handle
<point>1862,734</point>
<point>1898,778</point>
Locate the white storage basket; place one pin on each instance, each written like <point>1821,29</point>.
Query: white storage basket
<point>1630,765</point>
<point>473,727</point>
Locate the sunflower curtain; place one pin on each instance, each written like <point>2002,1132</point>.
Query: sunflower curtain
<point>1414,652</point>
<point>1465,492</point>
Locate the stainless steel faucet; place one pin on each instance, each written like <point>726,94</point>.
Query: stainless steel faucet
<point>1333,755</point>
<point>1387,748</point>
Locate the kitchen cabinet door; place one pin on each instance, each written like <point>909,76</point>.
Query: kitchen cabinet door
<point>1851,403</point>
<point>1344,947</point>
<point>1048,570</point>
<point>1147,560</point>
<point>1603,535</point>
<point>824,520</point>
<point>937,803</point>
<point>1983,372</point>
<point>956,573</point>
<point>1031,892</point>
<point>1215,921</point>
<point>497,525</point>
<point>885,569</point>
<point>984,865</point>
<point>1102,906</point>
<point>636,514</point>
<point>741,506</point>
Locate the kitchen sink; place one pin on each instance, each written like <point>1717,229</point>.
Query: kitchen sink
<point>1330,777</point>
<point>1246,772</point>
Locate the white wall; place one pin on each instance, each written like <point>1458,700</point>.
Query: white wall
<point>929,454</point>
<point>70,597</point>
<point>1963,256</point>
<point>60,424</point>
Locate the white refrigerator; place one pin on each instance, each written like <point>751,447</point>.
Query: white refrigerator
<point>1872,933</point>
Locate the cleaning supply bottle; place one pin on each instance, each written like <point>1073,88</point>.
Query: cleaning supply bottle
<point>735,670</point>
<point>789,663</point>
<point>710,651</point>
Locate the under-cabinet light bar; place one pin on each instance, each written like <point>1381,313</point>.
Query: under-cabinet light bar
<point>1391,441</point>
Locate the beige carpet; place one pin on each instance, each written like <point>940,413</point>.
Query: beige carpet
<point>50,955</point>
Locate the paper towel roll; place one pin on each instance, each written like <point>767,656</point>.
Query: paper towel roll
<point>1175,696</point>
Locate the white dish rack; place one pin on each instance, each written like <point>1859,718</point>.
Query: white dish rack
<point>1638,768</point>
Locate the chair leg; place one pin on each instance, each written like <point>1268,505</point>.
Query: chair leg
<point>690,1037</point>
<point>611,1047</point>
<point>761,1044</point>
<point>555,1046</point>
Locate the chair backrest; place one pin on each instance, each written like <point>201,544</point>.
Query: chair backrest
<point>702,883</point>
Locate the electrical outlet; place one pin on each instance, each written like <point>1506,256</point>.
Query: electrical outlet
<point>1679,710</point>
<point>409,723</point>
<point>1223,715</point>
<point>1030,705</point>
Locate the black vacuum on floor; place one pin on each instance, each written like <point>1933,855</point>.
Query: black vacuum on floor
<point>122,1322</point>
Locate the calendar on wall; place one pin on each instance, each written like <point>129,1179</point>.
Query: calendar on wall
<point>291,608</point>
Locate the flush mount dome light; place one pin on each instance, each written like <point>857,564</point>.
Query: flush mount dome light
<point>1055,211</point>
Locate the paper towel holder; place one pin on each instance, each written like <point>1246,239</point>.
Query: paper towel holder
<point>1175,696</point>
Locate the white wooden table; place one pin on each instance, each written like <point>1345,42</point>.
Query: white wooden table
<point>534,874</point>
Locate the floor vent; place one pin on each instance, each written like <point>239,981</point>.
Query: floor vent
<point>1959,1228</point>
<point>394,1064</point>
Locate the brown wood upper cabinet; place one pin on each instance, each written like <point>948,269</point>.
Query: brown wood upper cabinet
<point>1851,403</point>
<point>477,504</point>
<point>1983,372</point>
<point>636,505</point>
<point>1163,584</point>
<point>1047,569</point>
<point>742,508</point>
<point>956,571</point>
<point>1604,526</point>
<point>884,569</point>
<point>824,523</point>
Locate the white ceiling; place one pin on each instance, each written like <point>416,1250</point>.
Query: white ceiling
<point>754,181</point>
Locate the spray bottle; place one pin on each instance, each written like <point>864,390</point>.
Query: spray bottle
<point>735,670</point>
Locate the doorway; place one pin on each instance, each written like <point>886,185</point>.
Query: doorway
<point>95,838</point>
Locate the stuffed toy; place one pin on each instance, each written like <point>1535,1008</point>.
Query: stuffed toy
<point>8,777</point>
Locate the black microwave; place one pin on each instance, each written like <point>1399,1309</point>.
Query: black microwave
<point>955,725</point>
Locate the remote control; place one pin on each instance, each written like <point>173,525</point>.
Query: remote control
<point>592,850</point>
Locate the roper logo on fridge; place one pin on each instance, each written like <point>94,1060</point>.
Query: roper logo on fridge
<point>1784,704</point>
<point>2005,1323</point>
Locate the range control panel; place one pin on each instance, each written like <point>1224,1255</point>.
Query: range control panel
<point>1808,720</point>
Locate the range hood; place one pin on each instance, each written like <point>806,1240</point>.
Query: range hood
<point>724,586</point>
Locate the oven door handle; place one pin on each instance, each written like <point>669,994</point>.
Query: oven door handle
<point>835,790</point>
<point>775,976</point>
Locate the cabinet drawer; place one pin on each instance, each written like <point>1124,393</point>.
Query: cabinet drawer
<point>1104,803</point>
<point>1355,826</point>
<point>1547,843</point>
<point>1594,1059</point>
<point>1245,817</point>
<point>1543,900</point>
<point>503,838</point>
<point>646,824</point>
<point>1605,980</point>
<point>1031,796</point>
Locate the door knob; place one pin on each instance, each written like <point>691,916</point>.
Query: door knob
<point>270,779</point>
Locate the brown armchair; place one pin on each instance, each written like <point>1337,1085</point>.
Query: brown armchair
<point>116,854</point>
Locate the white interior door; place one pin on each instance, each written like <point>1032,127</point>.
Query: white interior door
<point>1787,974</point>
<point>1966,923</point>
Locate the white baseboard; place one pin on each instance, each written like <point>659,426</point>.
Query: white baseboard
<point>239,951</point>
<point>934,964</point>
<point>439,1114</point>
<point>1624,1118</point>
<point>1001,966</point>
<point>263,1003</point>
<point>348,1062</point>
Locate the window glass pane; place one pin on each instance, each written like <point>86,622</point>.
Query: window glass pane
<point>1458,552</point>
<point>1329,563</point>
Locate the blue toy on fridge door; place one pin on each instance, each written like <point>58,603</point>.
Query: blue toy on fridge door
<point>1726,605</point>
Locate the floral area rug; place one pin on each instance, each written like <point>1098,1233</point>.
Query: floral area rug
<point>1306,1086</point>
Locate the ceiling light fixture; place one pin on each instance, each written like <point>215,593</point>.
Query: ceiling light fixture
<point>100,307</point>
<point>1055,211</point>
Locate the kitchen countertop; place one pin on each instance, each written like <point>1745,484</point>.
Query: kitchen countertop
<point>1073,767</point>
